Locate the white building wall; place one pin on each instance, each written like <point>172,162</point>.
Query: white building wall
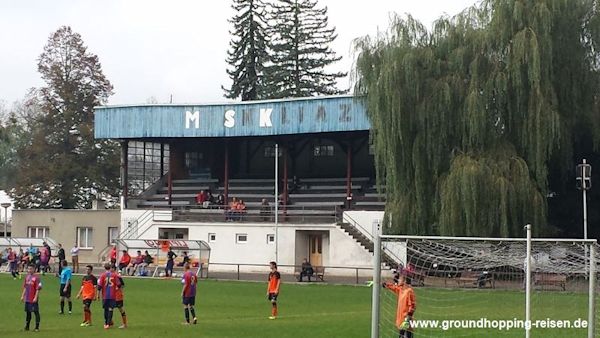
<point>339,248</point>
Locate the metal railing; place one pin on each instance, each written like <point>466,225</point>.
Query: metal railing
<point>385,251</point>
<point>286,214</point>
<point>253,272</point>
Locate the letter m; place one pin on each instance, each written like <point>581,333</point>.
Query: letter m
<point>192,118</point>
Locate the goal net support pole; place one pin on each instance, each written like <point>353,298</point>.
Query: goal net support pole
<point>376,279</point>
<point>528,283</point>
<point>592,292</point>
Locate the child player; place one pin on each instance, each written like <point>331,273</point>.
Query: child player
<point>119,297</point>
<point>273,288</point>
<point>188,293</point>
<point>31,292</point>
<point>89,283</point>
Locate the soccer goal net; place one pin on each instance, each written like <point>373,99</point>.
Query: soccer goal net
<point>477,287</point>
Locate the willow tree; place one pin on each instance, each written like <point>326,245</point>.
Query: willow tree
<point>469,116</point>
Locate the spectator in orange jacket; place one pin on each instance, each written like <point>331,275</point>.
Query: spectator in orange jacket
<point>406,305</point>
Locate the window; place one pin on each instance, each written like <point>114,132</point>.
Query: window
<point>270,152</point>
<point>212,238</point>
<point>323,151</point>
<point>241,238</point>
<point>113,234</point>
<point>270,239</point>
<point>38,232</point>
<point>84,238</point>
<point>145,161</point>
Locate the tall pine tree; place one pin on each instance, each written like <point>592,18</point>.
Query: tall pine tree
<point>300,51</point>
<point>248,50</point>
<point>63,166</point>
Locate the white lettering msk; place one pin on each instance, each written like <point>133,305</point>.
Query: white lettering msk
<point>229,119</point>
<point>192,118</point>
<point>265,118</point>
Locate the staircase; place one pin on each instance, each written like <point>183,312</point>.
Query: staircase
<point>389,260</point>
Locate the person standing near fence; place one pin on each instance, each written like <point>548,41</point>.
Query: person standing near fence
<point>13,263</point>
<point>75,258</point>
<point>406,305</point>
<point>61,257</point>
<point>170,262</point>
<point>30,296</point>
<point>273,289</point>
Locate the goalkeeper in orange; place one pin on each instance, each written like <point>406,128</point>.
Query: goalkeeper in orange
<point>406,304</point>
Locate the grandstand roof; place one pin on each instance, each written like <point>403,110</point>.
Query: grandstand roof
<point>256,118</point>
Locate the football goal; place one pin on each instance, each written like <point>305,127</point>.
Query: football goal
<point>484,287</point>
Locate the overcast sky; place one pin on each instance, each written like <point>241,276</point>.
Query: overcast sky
<point>158,48</point>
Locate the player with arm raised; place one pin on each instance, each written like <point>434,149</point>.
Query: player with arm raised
<point>406,305</point>
<point>188,293</point>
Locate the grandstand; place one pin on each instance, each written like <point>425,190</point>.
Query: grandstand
<point>170,153</point>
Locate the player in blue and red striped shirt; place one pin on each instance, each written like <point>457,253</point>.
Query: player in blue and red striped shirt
<point>108,283</point>
<point>188,293</point>
<point>31,291</point>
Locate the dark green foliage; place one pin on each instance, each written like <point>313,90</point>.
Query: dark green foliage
<point>62,165</point>
<point>247,55</point>
<point>300,39</point>
<point>468,117</point>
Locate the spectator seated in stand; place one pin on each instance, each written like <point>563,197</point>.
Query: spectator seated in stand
<point>124,261</point>
<point>220,200</point>
<point>307,270</point>
<point>185,259</point>
<point>265,210</point>
<point>240,211</point>
<point>230,214</point>
<point>135,263</point>
<point>202,199</point>
<point>144,266</point>
<point>210,199</point>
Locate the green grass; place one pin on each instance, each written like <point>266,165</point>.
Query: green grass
<point>240,309</point>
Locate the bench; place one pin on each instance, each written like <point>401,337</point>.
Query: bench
<point>551,279</point>
<point>317,275</point>
<point>479,279</point>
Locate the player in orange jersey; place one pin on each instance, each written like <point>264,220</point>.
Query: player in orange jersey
<point>273,288</point>
<point>87,292</point>
<point>119,298</point>
<point>406,305</point>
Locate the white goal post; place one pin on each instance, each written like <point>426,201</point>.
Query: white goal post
<point>533,279</point>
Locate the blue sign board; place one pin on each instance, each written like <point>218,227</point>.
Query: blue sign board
<point>257,118</point>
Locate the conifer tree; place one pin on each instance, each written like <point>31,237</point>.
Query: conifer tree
<point>300,51</point>
<point>247,53</point>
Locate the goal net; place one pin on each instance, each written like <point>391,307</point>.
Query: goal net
<point>469,287</point>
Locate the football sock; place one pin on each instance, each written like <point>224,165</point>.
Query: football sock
<point>70,306</point>
<point>62,306</point>
<point>187,314</point>
<point>274,310</point>
<point>193,312</point>
<point>124,317</point>
<point>37,319</point>
<point>106,320</point>
<point>110,316</point>
<point>27,320</point>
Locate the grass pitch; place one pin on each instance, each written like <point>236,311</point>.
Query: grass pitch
<point>240,309</point>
